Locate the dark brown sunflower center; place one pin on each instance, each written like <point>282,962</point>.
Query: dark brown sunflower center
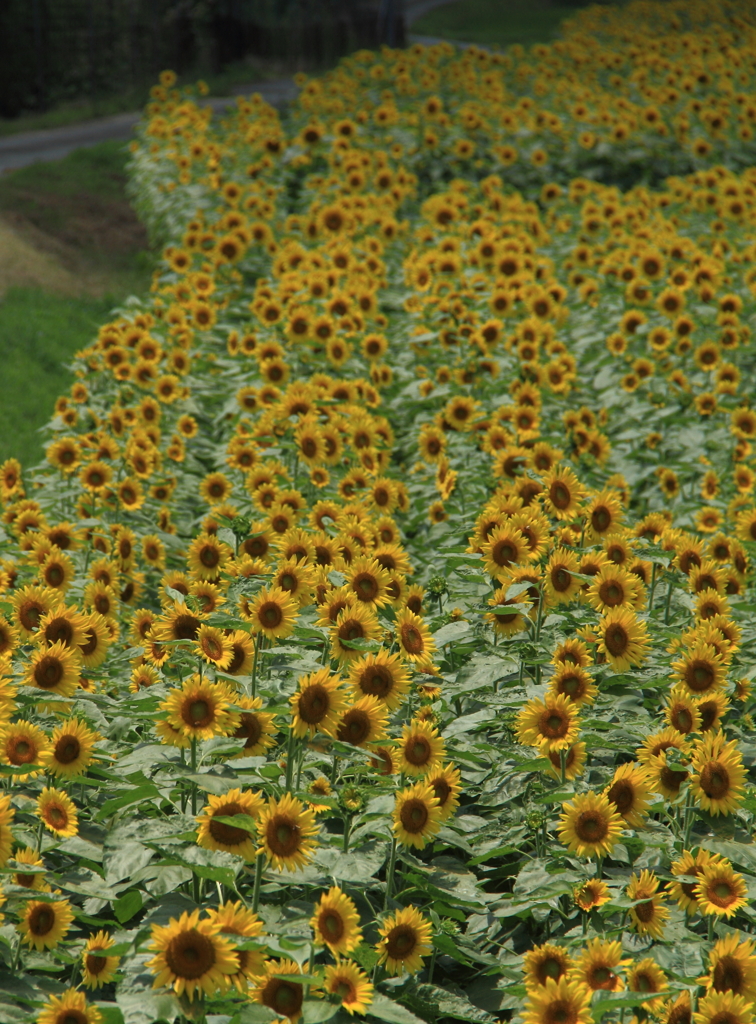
<point>355,727</point>
<point>21,751</point>
<point>271,615</point>
<point>412,639</point>
<point>417,750</point>
<point>284,997</point>
<point>552,724</point>
<point>331,924</point>
<point>41,920</point>
<point>48,672</point>
<point>401,941</point>
<point>283,835</point>
<point>560,495</point>
<point>616,640</point>
<point>67,749</point>
<point>96,964</point>
<point>414,816</point>
<point>715,780</point>
<point>622,795</point>
<point>601,519</point>
<point>250,729</point>
<point>229,835</point>
<point>376,681</point>
<point>699,676</point>
<point>190,954</point>
<point>314,704</point>
<point>591,827</point>
<point>185,627</point>
<point>645,912</point>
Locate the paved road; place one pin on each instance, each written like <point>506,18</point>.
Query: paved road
<point>54,143</point>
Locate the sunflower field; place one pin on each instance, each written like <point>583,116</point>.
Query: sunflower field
<point>377,636</point>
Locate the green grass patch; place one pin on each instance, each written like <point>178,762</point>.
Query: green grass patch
<point>495,23</point>
<point>39,334</point>
<point>75,208</point>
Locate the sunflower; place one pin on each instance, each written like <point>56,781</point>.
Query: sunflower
<point>353,623</point>
<point>720,890</point>
<point>623,638</point>
<point>57,571</point>
<point>286,830</point>
<point>235,919</point>
<point>563,493</point>
<point>318,703</point>
<point>97,640</point>
<point>413,637</point>
<point>552,721</point>
<point>564,1000</point>
<point>405,940</point>
<point>54,669</point>
<point>27,859</point>
<point>646,976</point>
<point>70,749</point>
<point>207,557</point>
<point>718,779</point>
<point>593,893</point>
<point>380,675</point>
<point>58,812</point>
<point>7,814</point>
<point>629,792</point>
<point>30,604</point>
<point>723,1008</point>
<point>544,963</point>
<point>257,728</point>
<point>446,783</point>
<point>597,966</point>
<point>590,825</point>
<point>200,709</point>
<point>177,624</point>
<point>685,891</point>
<point>242,653</point>
<point>98,966</point>
<point>509,614</point>
<point>561,585</point>
<point>603,516</point>
<point>22,743</point>
<point>336,923</point>
<point>614,587</point>
<point>574,760</point>
<point>421,749</point>
<point>732,967</point>
<point>575,683</point>
<point>649,914</point>
<point>190,956</point>
<point>701,669</point>
<point>368,581</point>
<point>219,835</point>
<point>351,985</point>
<point>682,712</point>
<point>273,613</point>
<point>504,546</point>
<point>44,924</point>
<point>283,995</point>
<point>69,1008</point>
<point>212,646</point>
<point>417,815</point>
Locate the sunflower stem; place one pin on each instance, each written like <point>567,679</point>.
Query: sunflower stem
<point>40,833</point>
<point>432,966</point>
<point>390,874</point>
<point>194,769</point>
<point>539,620</point>
<point>562,766</point>
<point>290,760</point>
<point>254,666</point>
<point>259,867</point>
<point>334,770</point>
<point>347,832</point>
<point>710,928</point>
<point>16,956</point>
<point>653,587</point>
<point>669,600</point>
<point>688,819</point>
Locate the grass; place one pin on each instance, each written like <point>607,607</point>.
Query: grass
<point>496,22</point>
<point>74,211</point>
<point>39,333</point>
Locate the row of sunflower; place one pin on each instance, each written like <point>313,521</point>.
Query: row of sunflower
<point>388,576</point>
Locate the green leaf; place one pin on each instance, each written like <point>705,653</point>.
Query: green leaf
<point>316,1010</point>
<point>126,906</point>
<point>132,797</point>
<point>383,1008</point>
